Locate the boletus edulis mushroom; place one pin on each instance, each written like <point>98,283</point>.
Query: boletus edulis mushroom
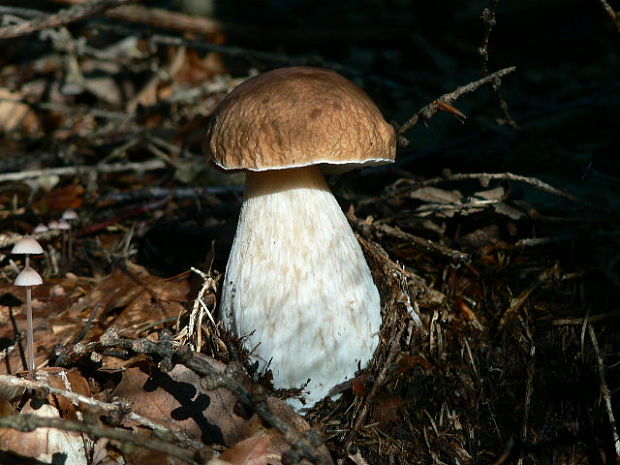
<point>297,286</point>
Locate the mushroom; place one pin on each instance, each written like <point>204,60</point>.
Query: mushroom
<point>65,227</point>
<point>27,246</point>
<point>41,228</point>
<point>297,287</point>
<point>70,216</point>
<point>28,278</point>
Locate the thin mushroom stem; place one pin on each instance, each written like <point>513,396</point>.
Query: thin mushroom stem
<point>70,250</point>
<point>64,251</point>
<point>30,333</point>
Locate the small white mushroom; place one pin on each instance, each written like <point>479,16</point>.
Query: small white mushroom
<point>40,228</point>
<point>29,278</point>
<point>297,287</point>
<point>27,246</point>
<point>69,215</point>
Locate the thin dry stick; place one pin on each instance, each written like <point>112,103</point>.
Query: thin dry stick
<point>105,407</point>
<point>83,169</point>
<point>424,245</point>
<point>613,15</point>
<point>488,17</point>
<point>381,378</point>
<point>173,20</point>
<point>28,423</point>
<point>529,389</point>
<point>484,179</point>
<point>17,11</point>
<point>62,18</point>
<point>519,301</point>
<point>161,18</point>
<point>429,110</point>
<point>605,392</point>
<point>579,321</point>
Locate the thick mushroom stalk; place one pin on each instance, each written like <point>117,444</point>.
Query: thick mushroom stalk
<point>297,285</point>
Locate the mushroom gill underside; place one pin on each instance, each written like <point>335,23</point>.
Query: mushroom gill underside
<point>297,286</point>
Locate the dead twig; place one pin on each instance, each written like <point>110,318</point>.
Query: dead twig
<point>29,422</point>
<point>149,165</point>
<point>181,22</point>
<point>529,389</point>
<point>105,407</point>
<point>580,321</point>
<point>364,406</point>
<point>428,111</point>
<point>424,245</point>
<point>304,445</point>
<point>62,18</point>
<point>150,193</point>
<point>160,18</point>
<point>519,301</point>
<point>488,17</point>
<point>605,392</point>
<point>18,11</point>
<point>192,332</point>
<point>613,15</point>
<point>485,178</point>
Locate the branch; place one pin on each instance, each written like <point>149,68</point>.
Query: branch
<point>605,392</point>
<point>105,407</point>
<point>62,18</point>
<point>424,245</point>
<point>517,302</point>
<point>613,15</point>
<point>84,169</point>
<point>484,179</point>
<point>428,111</point>
<point>488,17</point>
<point>27,423</point>
<point>304,444</point>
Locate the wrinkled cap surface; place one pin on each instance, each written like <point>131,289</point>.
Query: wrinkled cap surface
<point>298,116</point>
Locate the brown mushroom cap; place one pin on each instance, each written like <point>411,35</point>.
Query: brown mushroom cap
<point>298,116</point>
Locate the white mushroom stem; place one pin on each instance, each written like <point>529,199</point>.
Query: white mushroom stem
<point>28,278</point>
<point>297,285</point>
<point>30,333</point>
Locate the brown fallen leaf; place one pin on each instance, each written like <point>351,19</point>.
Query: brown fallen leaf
<point>278,445</point>
<point>16,115</point>
<point>62,198</point>
<point>250,451</point>
<point>176,400</point>
<point>387,410</point>
<point>46,444</point>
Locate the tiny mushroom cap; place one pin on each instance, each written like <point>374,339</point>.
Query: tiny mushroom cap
<point>299,116</point>
<point>53,224</point>
<point>69,215</point>
<point>63,225</point>
<point>41,228</point>
<point>28,277</point>
<point>27,245</point>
